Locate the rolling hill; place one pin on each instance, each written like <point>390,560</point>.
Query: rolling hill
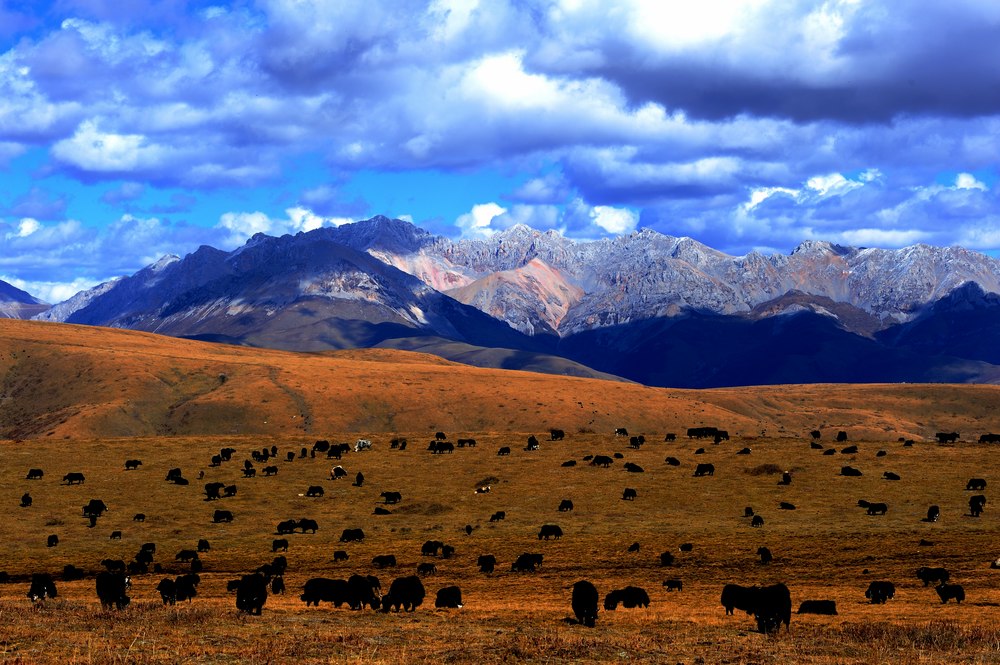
<point>60,380</point>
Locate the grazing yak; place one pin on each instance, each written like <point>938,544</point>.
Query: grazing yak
<point>784,505</point>
<point>73,478</point>
<point>363,590</point>
<point>928,575</point>
<point>391,497</point>
<point>770,605</point>
<point>673,585</point>
<point>251,594</point>
<point>132,464</point>
<point>565,505</point>
<point>498,516</point>
<point>326,590</point>
<point>666,559</point>
<point>168,590</point>
<point>704,470</point>
<point>42,587</point>
<point>976,505</point>
<point>213,491</point>
<point>526,563</point>
<point>384,561</point>
<point>629,494</point>
<point>601,461</point>
<point>352,536</point>
<point>532,443</point>
<point>877,508</point>
<point>880,591</point>
<point>337,472</point>
<point>933,514</point>
<point>556,435</point>
<point>568,463</point>
<point>633,468</point>
<point>818,607</point>
<point>340,555</point>
<point>405,593</point>
<point>112,589</point>
<point>71,573</point>
<point>26,500</point>
<point>757,521</point>
<point>672,461</point>
<point>670,436</point>
<point>186,586</point>
<point>889,475</point>
<point>621,431</point>
<point>487,563</point>
<point>431,548</point>
<point>426,568</point>
<point>634,547</point>
<point>203,545</point>
<point>314,491</point>
<point>748,511</point>
<point>550,531</point>
<point>94,508</point>
<point>449,596</point>
<point>976,484</point>
<point>686,547</point>
<point>185,556</point>
<point>279,544</point>
<point>584,603</point>
<point>379,510</point>
<point>222,516</point>
<point>948,591</point>
<point>34,474</point>
<point>765,555</point>
<point>849,471</point>
<point>630,597</point>
<point>307,524</point>
<point>503,451</point>
<point>52,540</point>
<point>947,437</point>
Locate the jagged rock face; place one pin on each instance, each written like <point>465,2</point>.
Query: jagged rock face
<point>18,304</point>
<point>646,275</point>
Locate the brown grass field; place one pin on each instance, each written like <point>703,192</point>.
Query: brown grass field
<point>86,399</point>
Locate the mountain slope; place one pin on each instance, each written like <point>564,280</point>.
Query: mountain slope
<point>18,304</point>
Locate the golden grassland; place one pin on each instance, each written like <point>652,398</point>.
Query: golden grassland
<point>86,399</point>
<point>827,548</point>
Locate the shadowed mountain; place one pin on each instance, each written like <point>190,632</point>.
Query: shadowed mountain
<point>702,350</point>
<point>964,323</point>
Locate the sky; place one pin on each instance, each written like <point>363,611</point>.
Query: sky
<point>130,130</point>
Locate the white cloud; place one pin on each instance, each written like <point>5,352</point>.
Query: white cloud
<point>93,150</point>
<point>883,237</point>
<point>969,181</point>
<point>833,184</point>
<point>614,220</point>
<point>477,222</point>
<point>25,228</point>
<point>51,292</point>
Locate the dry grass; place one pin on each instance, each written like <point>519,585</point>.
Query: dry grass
<point>822,550</point>
<point>93,398</point>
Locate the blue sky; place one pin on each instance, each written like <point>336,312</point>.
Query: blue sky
<point>132,130</point>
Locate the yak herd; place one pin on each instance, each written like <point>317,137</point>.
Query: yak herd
<point>771,606</point>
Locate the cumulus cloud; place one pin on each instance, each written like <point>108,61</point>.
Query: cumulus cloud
<point>477,223</point>
<point>745,123</point>
<point>237,227</point>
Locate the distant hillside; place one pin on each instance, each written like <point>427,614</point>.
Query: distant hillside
<point>18,304</point>
<point>60,380</point>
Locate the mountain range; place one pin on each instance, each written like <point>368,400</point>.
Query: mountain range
<point>645,306</point>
